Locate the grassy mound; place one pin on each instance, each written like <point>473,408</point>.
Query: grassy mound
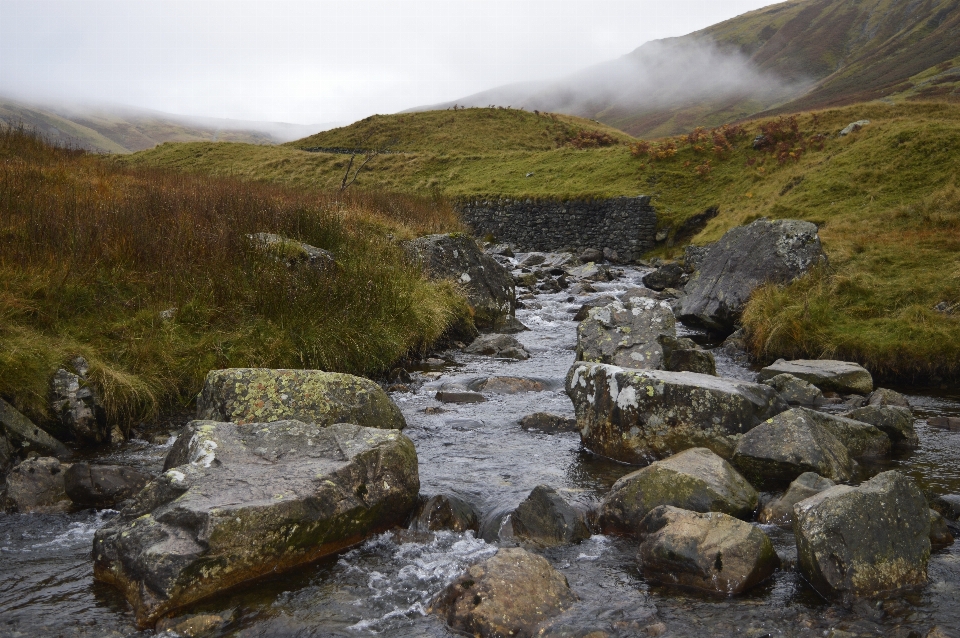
<point>91,254</point>
<point>885,198</point>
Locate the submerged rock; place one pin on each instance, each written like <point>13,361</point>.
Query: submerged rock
<point>866,540</point>
<point>626,334</point>
<point>546,518</point>
<point>489,287</point>
<point>456,393</point>
<point>507,595</point>
<point>780,511</point>
<point>261,395</point>
<point>696,479</point>
<point>639,416</point>
<point>745,258</point>
<point>550,423</point>
<point>102,485</point>
<point>239,501</point>
<point>711,552</point>
<point>837,376</point>
<point>25,437</point>
<point>445,511</point>
<point>790,444</point>
<point>795,390</point>
<point>507,385</point>
<point>894,421</point>
<point>36,485</point>
<point>498,345</point>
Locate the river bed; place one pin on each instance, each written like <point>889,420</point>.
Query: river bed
<point>480,453</point>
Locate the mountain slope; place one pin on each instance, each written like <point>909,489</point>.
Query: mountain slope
<point>126,130</point>
<point>788,57</point>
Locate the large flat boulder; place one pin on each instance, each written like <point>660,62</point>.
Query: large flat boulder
<point>626,334</point>
<point>696,479</point>
<point>639,416</point>
<point>240,501</point>
<point>507,595</point>
<point>745,258</point>
<point>261,395</point>
<point>837,376</point>
<point>710,552</point>
<point>866,540</point>
<point>788,445</point>
<point>489,286</point>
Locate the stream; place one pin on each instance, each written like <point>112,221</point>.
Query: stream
<point>479,452</point>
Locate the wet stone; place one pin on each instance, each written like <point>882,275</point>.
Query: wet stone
<point>507,385</point>
<point>549,423</point>
<point>498,345</point>
<point>453,393</point>
<point>894,421</point>
<point>545,518</point>
<point>102,485</point>
<point>446,511</point>
<point>940,535</point>
<point>507,595</point>
<point>795,390</point>
<point>837,376</point>
<point>710,552</point>
<point>36,485</point>
<point>780,511</point>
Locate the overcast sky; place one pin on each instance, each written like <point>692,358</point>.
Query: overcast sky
<point>317,61</point>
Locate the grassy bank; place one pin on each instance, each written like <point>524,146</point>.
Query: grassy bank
<point>885,199</point>
<point>91,254</point>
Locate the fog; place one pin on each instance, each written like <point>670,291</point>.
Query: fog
<point>316,61</point>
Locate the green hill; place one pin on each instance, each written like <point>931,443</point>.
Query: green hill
<point>886,199</point>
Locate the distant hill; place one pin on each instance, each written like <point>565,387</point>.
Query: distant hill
<point>789,57</point>
<point>127,130</point>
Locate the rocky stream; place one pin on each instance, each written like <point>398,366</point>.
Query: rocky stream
<point>467,415</point>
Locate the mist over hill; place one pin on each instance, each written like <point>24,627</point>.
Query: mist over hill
<point>788,57</point>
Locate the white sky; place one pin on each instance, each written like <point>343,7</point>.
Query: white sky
<point>317,61</point>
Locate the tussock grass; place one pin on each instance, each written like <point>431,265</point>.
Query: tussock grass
<point>92,253</point>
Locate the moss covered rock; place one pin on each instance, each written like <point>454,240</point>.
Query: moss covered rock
<point>788,445</point>
<point>639,416</point>
<point>240,501</point>
<point>261,395</point>
<point>866,540</point>
<point>711,552</point>
<point>696,480</point>
<point>509,594</point>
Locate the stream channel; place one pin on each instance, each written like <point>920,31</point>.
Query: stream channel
<point>480,453</point>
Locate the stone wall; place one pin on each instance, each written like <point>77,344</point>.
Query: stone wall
<point>626,225</point>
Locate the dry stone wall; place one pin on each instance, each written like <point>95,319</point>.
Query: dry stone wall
<point>626,225</point>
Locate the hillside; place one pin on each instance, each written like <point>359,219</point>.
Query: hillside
<point>126,130</point>
<point>789,57</point>
<point>886,199</point>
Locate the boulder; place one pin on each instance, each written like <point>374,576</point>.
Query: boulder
<point>445,511</point>
<point>696,479</point>
<point>671,275</point>
<point>488,285</point>
<point>550,423</point>
<point>788,445</point>
<point>584,311</point>
<point>948,505</point>
<point>23,436</point>
<point>639,416</point>
<point>547,519</point>
<point>940,535</point>
<point>853,127</point>
<point>591,255</point>
<point>248,395</point>
<point>498,345</point>
<point>693,257</point>
<point>626,335</point>
<point>780,511</point>
<point>795,390</point>
<point>894,421</point>
<point>866,540</point>
<point>36,485</point>
<point>590,272</point>
<point>711,552</point>
<point>886,397</point>
<point>240,501</point>
<point>860,439</point>
<point>745,258</point>
<point>837,376</point>
<point>102,486</point>
<point>511,326</point>
<point>684,355</point>
<point>507,595</point>
<point>293,253</point>
<point>76,404</point>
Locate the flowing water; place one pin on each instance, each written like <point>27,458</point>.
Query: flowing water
<point>479,452</point>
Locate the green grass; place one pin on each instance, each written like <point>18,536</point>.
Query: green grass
<point>885,199</point>
<point>92,253</point>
